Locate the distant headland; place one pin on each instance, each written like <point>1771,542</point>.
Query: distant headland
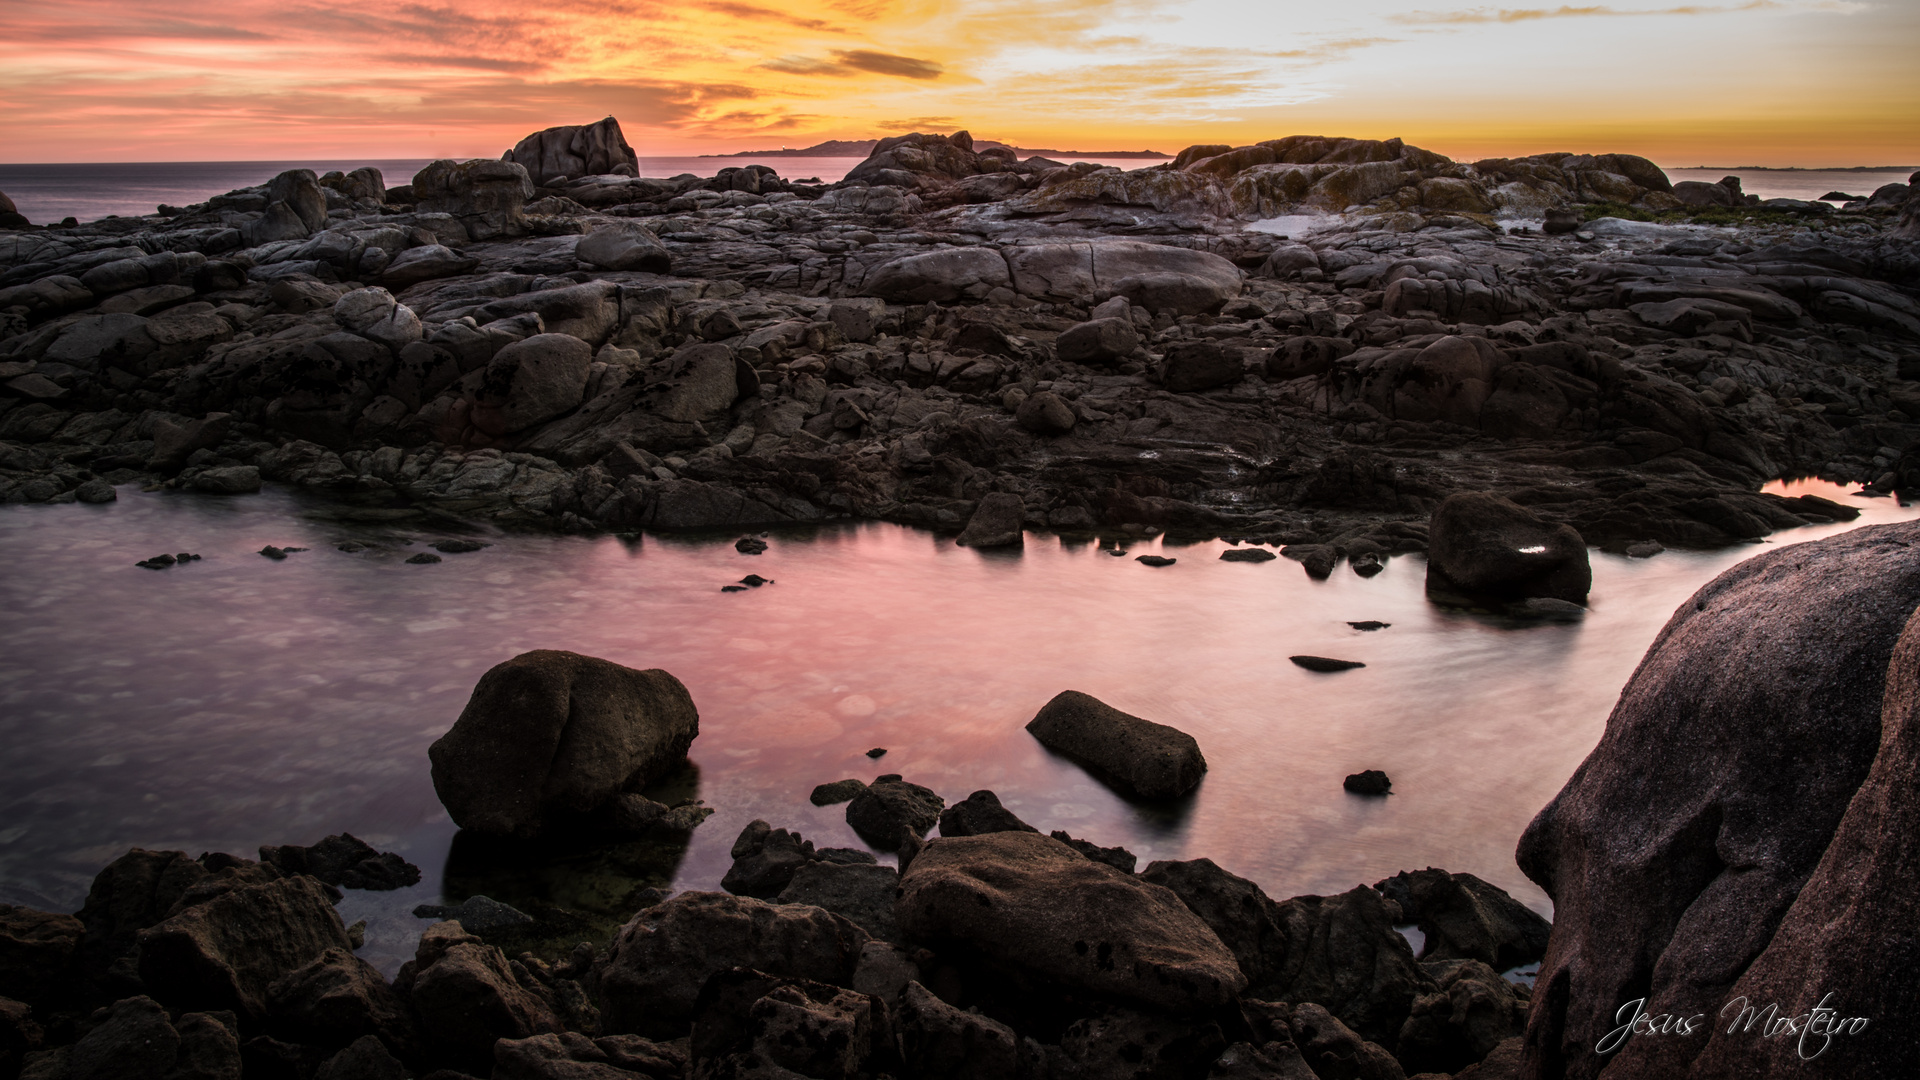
<point>861,148</point>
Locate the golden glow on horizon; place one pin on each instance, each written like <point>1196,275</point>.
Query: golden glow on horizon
<point>1775,82</point>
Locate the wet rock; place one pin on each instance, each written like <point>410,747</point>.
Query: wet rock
<point>423,558</point>
<point>748,545</point>
<point>980,813</point>
<point>96,491</point>
<point>659,960</point>
<point>1155,560</point>
<point>1369,625</point>
<point>1369,782</point>
<point>1481,544</point>
<point>467,995</point>
<point>227,480</point>
<point>1140,757</point>
<point>458,547</point>
<point>1031,904</point>
<point>996,522</point>
<point>1250,555</point>
<point>861,892</point>
<point>225,953</point>
<point>551,734</point>
<point>35,949</point>
<point>837,792</point>
<point>765,860</point>
<point>1710,807</point>
<point>877,752</point>
<point>940,1042</point>
<point>891,810</point>
<point>1325,663</point>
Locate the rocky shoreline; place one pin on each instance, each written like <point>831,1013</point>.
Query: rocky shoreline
<point>551,342</point>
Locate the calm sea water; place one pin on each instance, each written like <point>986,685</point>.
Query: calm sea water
<point>237,701</point>
<point>1809,185</point>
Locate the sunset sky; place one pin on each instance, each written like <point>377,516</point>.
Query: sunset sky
<point>1774,82</point>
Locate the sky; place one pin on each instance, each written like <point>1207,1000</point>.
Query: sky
<point>1744,82</point>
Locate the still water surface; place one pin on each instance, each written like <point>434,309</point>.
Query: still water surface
<point>237,701</point>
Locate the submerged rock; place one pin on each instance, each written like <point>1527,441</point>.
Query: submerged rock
<point>1140,757</point>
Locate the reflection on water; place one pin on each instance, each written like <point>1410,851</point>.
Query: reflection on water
<point>238,701</point>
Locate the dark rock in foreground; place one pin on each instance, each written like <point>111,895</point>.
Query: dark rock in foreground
<point>1715,798</point>
<point>552,735</point>
<point>1140,757</point>
<point>1464,918</point>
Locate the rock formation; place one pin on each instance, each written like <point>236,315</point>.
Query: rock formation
<point>559,153</point>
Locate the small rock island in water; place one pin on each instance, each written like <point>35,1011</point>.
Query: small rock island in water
<point>1497,364</point>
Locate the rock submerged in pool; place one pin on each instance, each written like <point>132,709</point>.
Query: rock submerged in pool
<point>1140,757</point>
<point>1369,782</point>
<point>890,810</point>
<point>1325,663</point>
<point>1483,546</point>
<point>1252,555</point>
<point>549,737</point>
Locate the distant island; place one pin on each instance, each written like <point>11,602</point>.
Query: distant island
<point>1796,168</point>
<point>861,148</point>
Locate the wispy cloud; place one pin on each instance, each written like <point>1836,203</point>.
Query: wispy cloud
<point>1514,15</point>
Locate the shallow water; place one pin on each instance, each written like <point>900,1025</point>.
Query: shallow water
<point>237,701</point>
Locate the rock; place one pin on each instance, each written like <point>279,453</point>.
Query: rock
<point>227,480</point>
<point>596,149</point>
<point>424,558</point>
<point>1193,366</point>
<point>1344,954</point>
<point>226,952</point>
<point>752,1024</point>
<point>466,996</point>
<point>1504,1063</point>
<point>428,262</point>
<point>1045,413</point>
<point>658,961</point>
<point>174,443</point>
<point>130,894</point>
<point>861,892</point>
<point>1562,222</point>
<point>366,1058</point>
<point>1369,782</point>
<point>943,276</point>
<point>1154,560</point>
<point>550,735</point>
<point>1098,341</point>
<point>1272,1061</point>
<point>877,752</point>
<point>300,190</point>
<point>569,1055</point>
<point>1030,904</point>
<point>1122,1042</point>
<point>1325,664</point>
<point>624,246</point>
<point>996,522</point>
<point>1484,545</point>
<point>1465,918</point>
<point>765,860</point>
<point>1709,810</point>
<point>1141,758</point>
<point>980,813</point>
<point>476,913</point>
<point>35,949</point>
<point>1332,1049</point>
<point>1252,555</point>
<point>888,811</point>
<point>532,381</point>
<point>1472,1013</point>
<point>373,313</point>
<point>336,999</point>
<point>1157,277</point>
<point>837,792</point>
<point>940,1042</point>
<point>488,197</point>
<point>1242,916</point>
<point>1117,857</point>
<point>132,1039</point>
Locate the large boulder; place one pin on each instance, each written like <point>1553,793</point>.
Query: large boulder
<point>1244,918</point>
<point>1097,341</point>
<point>624,245</point>
<point>374,313</point>
<point>336,999</point>
<point>35,949</point>
<point>531,382</point>
<point>861,892</point>
<point>946,275</point>
<point>1485,546</point>
<point>940,1042</point>
<point>889,812</point>
<point>1139,757</point>
<point>128,895</point>
<point>1344,954</point>
<point>1726,835</point>
<point>552,735</point>
<point>227,952</point>
<point>489,197</point>
<point>653,972</point>
<point>572,151</point>
<point>467,995</point>
<point>1032,905</point>
<point>1157,277</point>
<point>133,1039</point>
<point>919,159</point>
<point>1473,1011</point>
